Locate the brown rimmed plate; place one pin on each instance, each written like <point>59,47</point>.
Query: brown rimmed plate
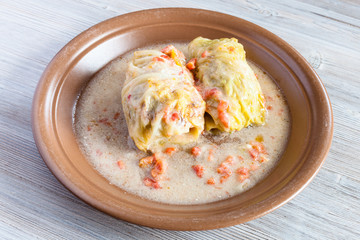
<point>63,79</point>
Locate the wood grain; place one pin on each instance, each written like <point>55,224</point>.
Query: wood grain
<point>34,205</point>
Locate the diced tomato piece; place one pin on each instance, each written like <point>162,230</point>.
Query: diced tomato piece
<point>204,54</point>
<point>191,64</point>
<point>128,97</point>
<point>158,59</point>
<point>196,151</point>
<point>269,107</point>
<point>175,116</point>
<point>170,150</point>
<point>199,170</point>
<point>146,161</point>
<point>121,164</point>
<point>211,181</point>
<point>151,183</point>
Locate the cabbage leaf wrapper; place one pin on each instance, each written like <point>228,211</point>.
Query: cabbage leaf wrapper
<point>228,85</point>
<point>160,103</point>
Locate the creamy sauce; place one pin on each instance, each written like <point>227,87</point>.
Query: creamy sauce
<point>103,137</point>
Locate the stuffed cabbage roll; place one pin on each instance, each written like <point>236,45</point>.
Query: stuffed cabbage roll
<point>227,83</point>
<point>160,102</point>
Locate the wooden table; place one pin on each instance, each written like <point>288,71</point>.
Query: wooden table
<point>33,204</point>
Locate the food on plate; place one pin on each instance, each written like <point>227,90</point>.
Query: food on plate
<point>233,96</point>
<point>160,103</point>
<point>162,110</point>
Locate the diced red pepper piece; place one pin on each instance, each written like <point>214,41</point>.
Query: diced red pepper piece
<point>105,121</point>
<point>199,170</point>
<point>254,153</point>
<point>224,169</point>
<point>167,49</point>
<point>242,171</point>
<point>158,59</point>
<point>242,178</point>
<point>191,64</point>
<point>166,114</point>
<point>196,151</point>
<point>169,151</point>
<point>121,164</point>
<point>158,169</point>
<point>99,152</point>
<point>146,161</point>
<point>165,56</point>
<point>258,146</point>
<point>211,181</point>
<point>175,116</point>
<point>212,93</point>
<point>224,119</point>
<point>175,54</point>
<point>231,49</point>
<point>263,159</point>
<point>223,115</point>
<point>222,106</point>
<point>116,115</point>
<point>254,166</point>
<point>229,160</point>
<point>151,183</point>
<point>204,54</point>
<point>211,155</point>
<point>224,178</point>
